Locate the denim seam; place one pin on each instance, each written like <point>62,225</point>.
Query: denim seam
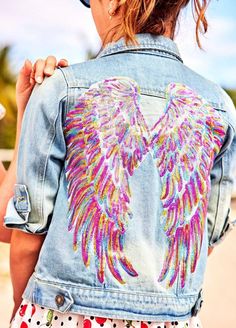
<point>158,52</point>
<point>217,208</point>
<point>88,312</point>
<point>118,291</point>
<point>44,176</point>
<point>85,84</point>
<point>151,46</point>
<point>52,140</point>
<point>67,87</point>
<point>212,242</point>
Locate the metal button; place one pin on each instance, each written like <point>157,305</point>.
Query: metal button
<point>60,300</point>
<point>20,199</point>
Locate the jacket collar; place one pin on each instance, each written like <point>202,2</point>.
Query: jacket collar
<point>147,43</point>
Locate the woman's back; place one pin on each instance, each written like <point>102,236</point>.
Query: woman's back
<point>123,181</point>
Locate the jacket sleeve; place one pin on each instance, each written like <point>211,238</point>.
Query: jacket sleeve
<point>223,174</point>
<point>41,156</point>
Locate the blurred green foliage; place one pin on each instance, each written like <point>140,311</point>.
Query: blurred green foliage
<point>7,99</point>
<point>232,94</point>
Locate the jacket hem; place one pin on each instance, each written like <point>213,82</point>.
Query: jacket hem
<point>112,303</point>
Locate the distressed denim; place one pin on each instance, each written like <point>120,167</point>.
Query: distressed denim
<point>61,280</point>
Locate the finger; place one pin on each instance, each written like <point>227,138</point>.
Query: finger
<point>63,63</point>
<point>50,65</point>
<point>32,76</point>
<point>26,69</point>
<point>38,71</point>
<point>25,72</point>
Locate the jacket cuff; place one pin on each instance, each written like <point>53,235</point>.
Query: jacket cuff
<point>18,211</point>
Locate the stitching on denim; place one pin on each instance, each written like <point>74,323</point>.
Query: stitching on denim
<point>162,51</point>
<point>218,201</point>
<point>85,84</point>
<point>134,315</point>
<point>143,45</point>
<point>117,291</point>
<point>210,241</point>
<point>52,140</point>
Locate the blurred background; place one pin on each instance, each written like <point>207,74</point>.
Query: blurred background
<point>64,28</point>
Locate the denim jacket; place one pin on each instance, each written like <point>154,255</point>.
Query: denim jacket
<point>127,163</point>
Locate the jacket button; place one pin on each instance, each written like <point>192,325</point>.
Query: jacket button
<point>20,199</point>
<point>60,300</point>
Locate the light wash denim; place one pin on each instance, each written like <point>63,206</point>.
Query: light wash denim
<point>61,280</point>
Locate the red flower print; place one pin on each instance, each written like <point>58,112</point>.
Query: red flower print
<point>22,310</point>
<point>144,325</point>
<point>87,323</point>
<point>33,310</point>
<point>100,321</point>
<point>23,325</point>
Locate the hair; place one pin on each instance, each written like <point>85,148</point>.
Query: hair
<point>155,16</point>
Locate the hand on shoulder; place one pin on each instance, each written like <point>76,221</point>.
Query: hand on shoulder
<point>30,74</point>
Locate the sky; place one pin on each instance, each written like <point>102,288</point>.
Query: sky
<point>65,28</point>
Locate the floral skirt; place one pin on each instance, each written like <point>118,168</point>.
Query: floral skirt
<point>33,316</point>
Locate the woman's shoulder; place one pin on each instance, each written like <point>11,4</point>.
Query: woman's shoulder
<point>48,95</point>
<point>85,73</point>
<point>53,87</point>
<point>212,92</point>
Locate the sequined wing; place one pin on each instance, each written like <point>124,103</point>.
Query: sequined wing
<point>106,138</point>
<point>185,142</point>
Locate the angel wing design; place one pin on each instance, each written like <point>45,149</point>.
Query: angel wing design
<point>106,138</point>
<point>185,142</point>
